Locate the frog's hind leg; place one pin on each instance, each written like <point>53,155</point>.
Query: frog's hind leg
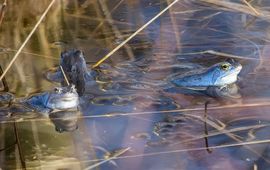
<point>36,104</point>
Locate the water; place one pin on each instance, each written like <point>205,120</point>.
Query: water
<point>125,118</point>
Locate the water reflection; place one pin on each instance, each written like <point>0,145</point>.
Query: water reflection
<point>65,121</point>
<point>185,131</point>
<point>228,92</point>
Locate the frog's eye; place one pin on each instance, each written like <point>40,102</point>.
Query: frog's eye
<point>225,66</point>
<point>57,90</point>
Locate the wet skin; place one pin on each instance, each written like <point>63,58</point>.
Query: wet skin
<point>61,98</point>
<point>218,75</point>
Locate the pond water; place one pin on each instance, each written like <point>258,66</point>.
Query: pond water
<point>126,120</point>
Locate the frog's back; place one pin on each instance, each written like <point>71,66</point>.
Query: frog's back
<point>38,102</point>
<point>194,78</point>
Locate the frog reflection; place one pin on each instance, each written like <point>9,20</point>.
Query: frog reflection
<point>65,121</point>
<point>230,91</point>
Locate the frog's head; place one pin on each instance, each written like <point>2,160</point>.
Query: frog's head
<point>224,73</point>
<point>63,98</point>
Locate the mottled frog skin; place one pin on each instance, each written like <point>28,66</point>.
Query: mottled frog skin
<point>220,74</point>
<point>61,98</point>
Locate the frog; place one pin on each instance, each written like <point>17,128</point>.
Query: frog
<point>218,75</point>
<point>61,98</point>
<point>75,68</point>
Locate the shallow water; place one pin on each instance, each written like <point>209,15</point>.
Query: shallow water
<point>125,118</point>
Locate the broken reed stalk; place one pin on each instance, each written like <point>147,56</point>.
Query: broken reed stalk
<point>63,72</point>
<point>3,11</point>
<point>27,39</point>
<point>134,34</point>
